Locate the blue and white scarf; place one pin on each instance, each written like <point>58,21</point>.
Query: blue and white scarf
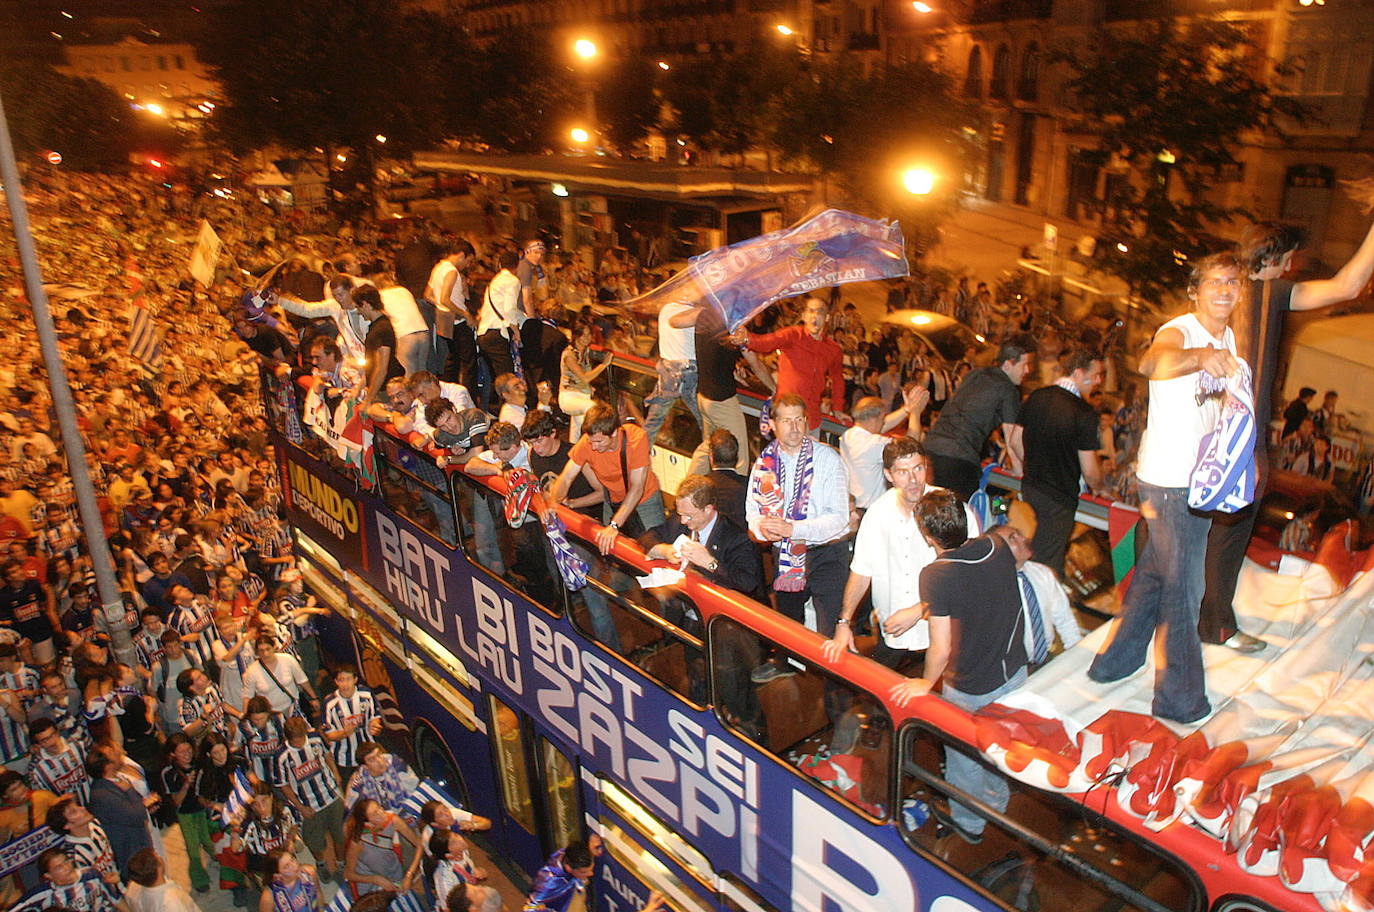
<point>770,487</point>
<point>1224,477</point>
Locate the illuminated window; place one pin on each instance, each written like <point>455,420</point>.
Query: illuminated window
<point>511,767</point>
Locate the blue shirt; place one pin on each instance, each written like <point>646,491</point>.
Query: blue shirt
<point>554,887</point>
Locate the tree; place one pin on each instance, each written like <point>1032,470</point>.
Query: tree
<point>863,131</point>
<point>1170,101</point>
<point>512,94</point>
<point>84,120</point>
<point>319,73</point>
<point>626,103</point>
<point>731,103</point>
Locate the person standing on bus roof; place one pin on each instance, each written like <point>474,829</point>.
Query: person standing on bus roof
<point>501,316</point>
<point>676,366</point>
<point>380,344</point>
<point>1188,364</point>
<point>806,360</point>
<point>1269,250</point>
<point>799,502</point>
<point>618,455</point>
<point>976,640</point>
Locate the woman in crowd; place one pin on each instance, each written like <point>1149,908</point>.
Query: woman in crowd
<point>374,851</point>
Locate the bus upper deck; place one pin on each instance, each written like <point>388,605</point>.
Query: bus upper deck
<point>811,791</point>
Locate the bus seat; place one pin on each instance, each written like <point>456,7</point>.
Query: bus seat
<point>794,708</point>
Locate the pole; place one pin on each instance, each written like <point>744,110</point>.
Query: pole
<point>105,581</point>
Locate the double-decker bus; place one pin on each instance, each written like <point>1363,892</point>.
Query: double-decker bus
<point>629,712</point>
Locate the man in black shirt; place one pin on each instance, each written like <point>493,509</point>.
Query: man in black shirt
<point>380,344</point>
<point>548,456</point>
<point>24,608</point>
<point>987,399</point>
<point>731,487</point>
<point>1258,329</point>
<point>977,639</point>
<point>1297,411</point>
<point>717,399</point>
<point>1058,433</point>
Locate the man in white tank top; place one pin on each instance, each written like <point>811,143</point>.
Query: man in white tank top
<point>1187,363</point>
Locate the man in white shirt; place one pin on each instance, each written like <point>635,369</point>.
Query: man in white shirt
<point>276,676</point>
<point>889,554</point>
<point>1043,601</point>
<point>863,444</point>
<point>677,366</point>
<point>447,289</point>
<point>500,317</point>
<point>427,388</point>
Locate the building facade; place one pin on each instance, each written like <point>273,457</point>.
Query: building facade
<point>1035,149</point>
<point>165,79</point>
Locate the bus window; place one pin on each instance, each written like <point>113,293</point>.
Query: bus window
<point>509,745</point>
<point>560,779</point>
<point>413,486</point>
<point>647,869</point>
<point>665,838</point>
<point>1045,850</point>
<point>658,629</point>
<point>835,733</point>
<point>520,557</point>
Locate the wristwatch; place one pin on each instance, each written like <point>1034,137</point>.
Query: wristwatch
<point>713,566</point>
<point>613,525</point>
<point>842,620</point>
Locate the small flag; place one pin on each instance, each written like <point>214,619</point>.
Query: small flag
<point>205,255</point>
<point>145,336</point>
<point>239,797</point>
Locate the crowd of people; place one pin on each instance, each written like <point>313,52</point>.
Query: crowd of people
<point>484,358</point>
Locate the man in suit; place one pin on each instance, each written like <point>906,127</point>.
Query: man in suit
<point>731,486</point>
<point>120,809</point>
<point>701,536</point>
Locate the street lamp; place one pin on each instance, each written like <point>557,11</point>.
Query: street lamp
<point>918,181</point>
<point>585,48</point>
<point>579,135</point>
<point>663,65</point>
<point>786,31</point>
<point>922,7</point>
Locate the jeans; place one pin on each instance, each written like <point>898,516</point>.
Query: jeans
<point>412,350</point>
<point>970,775</point>
<point>1226,545</point>
<point>676,380</point>
<point>726,414</point>
<point>1165,590</point>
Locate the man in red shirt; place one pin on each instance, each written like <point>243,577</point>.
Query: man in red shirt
<point>806,359</point>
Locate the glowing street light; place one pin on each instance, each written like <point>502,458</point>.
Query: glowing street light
<point>663,65</point>
<point>922,7</point>
<point>585,48</point>
<point>579,135</point>
<point>155,109</point>
<point>380,138</point>
<point>918,181</point>
<point>785,30</point>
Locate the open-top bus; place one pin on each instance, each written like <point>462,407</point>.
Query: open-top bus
<point>629,712</point>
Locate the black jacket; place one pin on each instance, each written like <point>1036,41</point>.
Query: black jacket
<point>740,567</point>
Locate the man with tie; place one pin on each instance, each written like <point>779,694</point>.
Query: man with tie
<point>699,535</point>
<point>1043,602</point>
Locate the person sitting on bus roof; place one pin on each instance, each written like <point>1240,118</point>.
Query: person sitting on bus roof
<point>426,388</point>
<point>976,635</point>
<point>383,777</point>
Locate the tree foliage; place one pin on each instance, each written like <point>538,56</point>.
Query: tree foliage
<point>323,73</point>
<point>1170,102</point>
<point>731,103</point>
<point>87,122</point>
<point>626,103</point>
<point>513,94</point>
<point>864,131</point>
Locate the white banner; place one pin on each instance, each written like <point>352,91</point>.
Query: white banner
<point>205,256</point>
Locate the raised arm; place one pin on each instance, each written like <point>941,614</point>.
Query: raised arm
<point>1344,285</point>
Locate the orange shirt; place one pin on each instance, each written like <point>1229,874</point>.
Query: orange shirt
<point>606,466</point>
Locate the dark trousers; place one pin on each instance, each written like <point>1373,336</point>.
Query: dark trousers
<point>827,569</point>
<point>1226,545</point>
<point>462,357</point>
<point>1053,527</point>
<point>958,475</point>
<point>496,348</point>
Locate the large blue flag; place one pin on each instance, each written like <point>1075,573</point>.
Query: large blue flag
<point>832,248</point>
